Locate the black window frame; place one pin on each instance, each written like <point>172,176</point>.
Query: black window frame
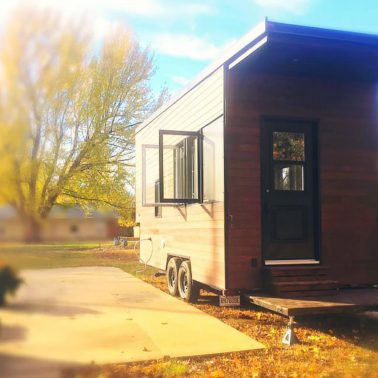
<point>198,136</point>
<point>157,209</point>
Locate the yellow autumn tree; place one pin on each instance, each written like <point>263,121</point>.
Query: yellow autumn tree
<point>69,105</point>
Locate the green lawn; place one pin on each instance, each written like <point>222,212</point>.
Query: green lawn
<point>65,255</point>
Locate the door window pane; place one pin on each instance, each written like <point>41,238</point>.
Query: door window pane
<point>288,146</point>
<point>289,177</point>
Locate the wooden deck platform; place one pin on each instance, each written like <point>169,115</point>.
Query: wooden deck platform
<point>346,300</point>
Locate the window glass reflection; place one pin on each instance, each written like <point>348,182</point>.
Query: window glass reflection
<point>289,177</point>
<point>288,146</point>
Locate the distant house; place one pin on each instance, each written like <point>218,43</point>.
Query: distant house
<point>63,224</point>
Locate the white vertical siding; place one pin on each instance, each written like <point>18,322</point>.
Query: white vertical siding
<point>195,231</point>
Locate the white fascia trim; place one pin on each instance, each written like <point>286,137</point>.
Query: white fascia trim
<point>248,52</point>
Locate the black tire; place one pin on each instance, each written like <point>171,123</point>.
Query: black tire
<point>187,288</point>
<point>172,274</point>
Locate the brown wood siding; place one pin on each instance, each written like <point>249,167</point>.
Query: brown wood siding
<point>348,165</point>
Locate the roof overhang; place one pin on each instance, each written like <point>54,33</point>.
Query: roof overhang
<point>307,51</point>
<point>274,47</point>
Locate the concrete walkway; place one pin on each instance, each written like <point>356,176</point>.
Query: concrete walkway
<point>73,316</point>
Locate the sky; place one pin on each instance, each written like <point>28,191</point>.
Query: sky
<point>186,36</point>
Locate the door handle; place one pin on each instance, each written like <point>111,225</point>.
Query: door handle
<point>231,218</point>
<point>267,190</point>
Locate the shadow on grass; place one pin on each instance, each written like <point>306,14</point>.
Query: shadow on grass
<point>354,328</point>
<point>208,299</point>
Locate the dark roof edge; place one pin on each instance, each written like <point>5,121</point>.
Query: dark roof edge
<point>321,33</point>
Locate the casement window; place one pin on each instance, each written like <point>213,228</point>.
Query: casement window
<point>180,162</point>
<point>185,167</point>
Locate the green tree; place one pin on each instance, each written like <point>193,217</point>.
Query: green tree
<point>69,105</point>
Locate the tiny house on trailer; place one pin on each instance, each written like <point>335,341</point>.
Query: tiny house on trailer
<point>262,174</point>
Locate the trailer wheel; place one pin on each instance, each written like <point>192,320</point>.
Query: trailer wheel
<point>187,288</point>
<point>172,274</point>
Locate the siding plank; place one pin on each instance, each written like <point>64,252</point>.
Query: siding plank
<point>195,231</point>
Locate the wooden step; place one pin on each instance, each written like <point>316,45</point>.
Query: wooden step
<point>295,271</point>
<point>295,278</point>
<point>304,286</point>
<point>299,281</point>
<point>310,293</point>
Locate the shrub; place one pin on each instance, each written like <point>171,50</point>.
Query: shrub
<point>9,282</point>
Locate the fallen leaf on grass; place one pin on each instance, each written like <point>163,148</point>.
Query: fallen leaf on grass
<point>313,338</point>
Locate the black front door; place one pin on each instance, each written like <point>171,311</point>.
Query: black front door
<point>289,190</point>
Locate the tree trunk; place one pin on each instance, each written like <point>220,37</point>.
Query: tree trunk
<point>2,298</point>
<point>32,230</point>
